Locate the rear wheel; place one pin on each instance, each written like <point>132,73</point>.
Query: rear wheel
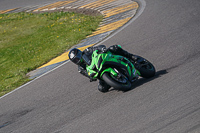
<point>146,68</point>
<point>121,83</point>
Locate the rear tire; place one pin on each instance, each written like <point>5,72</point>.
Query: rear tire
<point>117,85</point>
<point>147,70</point>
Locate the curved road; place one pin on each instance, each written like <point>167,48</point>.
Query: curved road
<point>167,33</point>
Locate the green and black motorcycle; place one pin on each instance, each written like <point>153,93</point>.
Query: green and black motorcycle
<point>117,71</point>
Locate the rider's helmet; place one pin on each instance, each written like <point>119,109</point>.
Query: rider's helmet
<point>75,56</point>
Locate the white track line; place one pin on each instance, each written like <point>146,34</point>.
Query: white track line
<point>141,9</point>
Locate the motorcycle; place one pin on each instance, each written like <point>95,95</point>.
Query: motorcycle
<point>116,70</point>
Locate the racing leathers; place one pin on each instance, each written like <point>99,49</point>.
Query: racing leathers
<point>115,49</point>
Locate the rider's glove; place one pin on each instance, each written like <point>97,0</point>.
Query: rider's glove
<point>104,50</point>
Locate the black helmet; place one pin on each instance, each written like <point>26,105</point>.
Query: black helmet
<point>75,55</point>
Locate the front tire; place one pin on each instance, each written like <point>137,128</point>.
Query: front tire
<point>117,85</point>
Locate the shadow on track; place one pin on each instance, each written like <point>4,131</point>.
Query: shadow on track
<point>142,81</point>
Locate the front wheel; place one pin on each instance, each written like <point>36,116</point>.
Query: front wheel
<point>120,84</point>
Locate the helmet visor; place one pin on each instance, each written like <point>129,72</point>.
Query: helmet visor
<point>77,58</point>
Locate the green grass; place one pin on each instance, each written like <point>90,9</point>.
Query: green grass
<point>29,40</point>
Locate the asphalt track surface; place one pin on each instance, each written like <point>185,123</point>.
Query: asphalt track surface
<point>62,101</point>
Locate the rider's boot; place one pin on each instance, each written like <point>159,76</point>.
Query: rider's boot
<point>132,57</point>
<point>116,49</point>
<point>128,55</point>
<point>103,87</point>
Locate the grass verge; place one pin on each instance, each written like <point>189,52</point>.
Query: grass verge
<point>29,40</point>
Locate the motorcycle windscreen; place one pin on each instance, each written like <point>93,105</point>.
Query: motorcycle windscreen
<point>86,59</point>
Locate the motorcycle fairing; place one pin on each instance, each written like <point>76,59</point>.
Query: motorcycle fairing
<point>106,62</point>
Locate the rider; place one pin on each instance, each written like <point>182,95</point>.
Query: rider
<point>75,55</point>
